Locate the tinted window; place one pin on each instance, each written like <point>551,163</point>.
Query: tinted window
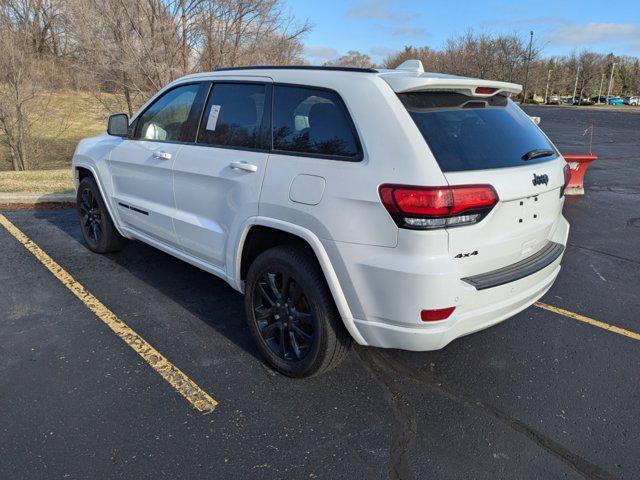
<point>308,120</point>
<point>164,119</point>
<point>233,116</point>
<point>466,133</point>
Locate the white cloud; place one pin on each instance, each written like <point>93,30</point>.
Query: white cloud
<point>378,9</point>
<point>512,21</point>
<point>381,51</point>
<point>390,15</point>
<point>409,31</point>
<point>321,53</point>
<point>594,33</point>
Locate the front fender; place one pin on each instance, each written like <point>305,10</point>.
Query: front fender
<point>113,213</point>
<point>93,154</point>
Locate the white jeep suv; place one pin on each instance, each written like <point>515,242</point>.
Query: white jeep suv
<point>398,208</point>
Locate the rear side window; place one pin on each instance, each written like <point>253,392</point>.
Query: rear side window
<point>165,118</point>
<point>234,116</point>
<point>467,133</point>
<point>312,122</point>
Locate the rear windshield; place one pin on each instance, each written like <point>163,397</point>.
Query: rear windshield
<point>467,133</point>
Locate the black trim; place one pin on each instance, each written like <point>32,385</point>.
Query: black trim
<point>129,207</point>
<point>202,109</point>
<point>139,211</point>
<point>323,156</point>
<point>298,67</point>
<point>196,112</point>
<point>530,265</point>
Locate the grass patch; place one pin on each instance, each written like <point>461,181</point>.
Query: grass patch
<point>37,181</point>
<point>70,117</point>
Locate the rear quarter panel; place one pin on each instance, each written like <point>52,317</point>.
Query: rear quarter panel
<point>393,152</point>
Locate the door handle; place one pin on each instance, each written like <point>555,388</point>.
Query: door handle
<point>247,167</point>
<point>160,155</point>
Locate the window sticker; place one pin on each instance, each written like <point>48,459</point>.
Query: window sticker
<point>213,117</point>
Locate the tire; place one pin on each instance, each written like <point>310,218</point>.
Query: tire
<point>96,225</point>
<point>303,336</point>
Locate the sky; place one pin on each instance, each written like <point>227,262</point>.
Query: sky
<point>379,27</point>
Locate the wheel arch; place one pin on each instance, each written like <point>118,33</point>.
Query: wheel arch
<point>309,239</point>
<point>80,171</point>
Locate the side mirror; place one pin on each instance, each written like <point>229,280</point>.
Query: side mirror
<point>118,125</point>
<point>535,120</point>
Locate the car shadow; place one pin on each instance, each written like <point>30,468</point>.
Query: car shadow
<point>203,295</point>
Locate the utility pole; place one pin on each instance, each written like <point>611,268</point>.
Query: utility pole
<point>575,87</point>
<point>600,89</point>
<point>526,75</point>
<point>610,82</point>
<point>546,91</point>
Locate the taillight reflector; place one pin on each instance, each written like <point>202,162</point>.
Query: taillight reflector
<point>451,205</point>
<point>436,314</point>
<point>567,178</point>
<point>485,90</point>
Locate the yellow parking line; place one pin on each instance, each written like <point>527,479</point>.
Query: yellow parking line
<point>172,374</point>
<point>590,321</point>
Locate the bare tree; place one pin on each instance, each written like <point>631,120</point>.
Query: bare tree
<point>503,57</point>
<point>137,47</point>
<point>352,59</point>
<point>241,32</point>
<point>21,102</point>
<point>44,23</point>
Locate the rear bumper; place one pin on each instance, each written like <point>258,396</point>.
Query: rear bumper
<point>536,262</point>
<point>387,296</point>
<point>436,337</point>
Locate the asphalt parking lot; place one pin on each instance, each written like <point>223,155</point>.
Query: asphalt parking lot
<point>542,395</point>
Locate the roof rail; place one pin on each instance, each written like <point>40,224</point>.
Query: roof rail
<point>298,67</point>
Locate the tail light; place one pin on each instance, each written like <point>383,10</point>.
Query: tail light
<point>426,208</point>
<point>485,90</point>
<point>567,178</point>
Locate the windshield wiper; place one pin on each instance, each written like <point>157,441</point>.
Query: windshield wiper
<point>537,154</point>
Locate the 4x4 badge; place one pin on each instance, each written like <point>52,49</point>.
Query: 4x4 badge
<point>540,179</point>
<point>463,255</point>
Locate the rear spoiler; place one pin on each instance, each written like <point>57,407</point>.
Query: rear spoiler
<point>420,83</point>
<point>411,77</point>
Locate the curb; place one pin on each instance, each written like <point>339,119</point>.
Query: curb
<point>35,198</point>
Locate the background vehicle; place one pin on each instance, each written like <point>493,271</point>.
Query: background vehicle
<point>615,101</point>
<point>582,101</point>
<point>399,208</point>
<point>635,100</point>
<point>554,100</point>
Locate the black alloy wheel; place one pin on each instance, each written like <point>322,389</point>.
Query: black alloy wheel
<point>91,216</point>
<point>291,313</point>
<point>283,316</point>
<point>96,224</point>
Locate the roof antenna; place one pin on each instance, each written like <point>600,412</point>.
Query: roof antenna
<point>411,66</point>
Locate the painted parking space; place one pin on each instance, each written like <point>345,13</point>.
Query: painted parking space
<point>590,321</point>
<point>542,395</point>
<point>197,397</point>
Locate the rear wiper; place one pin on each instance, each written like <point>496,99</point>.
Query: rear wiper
<point>537,154</point>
